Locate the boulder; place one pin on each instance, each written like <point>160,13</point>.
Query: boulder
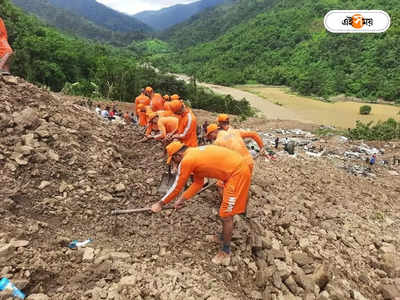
<point>28,118</point>
<point>6,252</point>
<point>390,292</point>
<point>128,281</point>
<point>322,276</point>
<point>88,254</point>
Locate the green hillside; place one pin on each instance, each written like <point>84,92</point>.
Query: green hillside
<point>74,24</point>
<point>214,22</point>
<point>288,45</point>
<point>58,61</point>
<point>169,16</point>
<point>102,15</point>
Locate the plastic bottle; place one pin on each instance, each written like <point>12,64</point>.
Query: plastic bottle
<point>7,285</point>
<point>75,244</point>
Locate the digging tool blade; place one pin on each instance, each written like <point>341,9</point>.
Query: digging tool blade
<point>133,211</point>
<point>166,181</point>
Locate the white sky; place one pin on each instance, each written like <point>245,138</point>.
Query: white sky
<point>135,6</point>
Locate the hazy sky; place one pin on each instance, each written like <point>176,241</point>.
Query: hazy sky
<point>135,6</point>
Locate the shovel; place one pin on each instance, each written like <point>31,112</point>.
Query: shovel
<point>167,180</point>
<point>148,209</point>
<point>133,211</point>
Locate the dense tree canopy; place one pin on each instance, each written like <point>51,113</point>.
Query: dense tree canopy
<point>74,24</point>
<point>47,57</point>
<point>289,45</point>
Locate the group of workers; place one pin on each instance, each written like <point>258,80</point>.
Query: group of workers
<point>6,51</point>
<point>227,159</point>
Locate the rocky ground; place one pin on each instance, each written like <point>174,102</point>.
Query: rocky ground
<point>314,230</point>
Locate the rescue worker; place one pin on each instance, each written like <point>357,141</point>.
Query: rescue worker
<point>142,115</point>
<point>212,162</point>
<point>187,128</point>
<point>141,99</point>
<point>148,112</point>
<point>156,100</point>
<point>5,50</point>
<point>167,98</point>
<point>152,124</point>
<point>223,121</point>
<point>167,127</point>
<point>175,97</point>
<point>166,112</point>
<point>233,139</point>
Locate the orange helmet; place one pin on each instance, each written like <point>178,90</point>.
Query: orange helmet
<point>211,128</point>
<point>175,106</point>
<point>148,90</point>
<point>152,115</point>
<point>172,149</point>
<point>166,97</point>
<point>222,118</point>
<point>175,97</point>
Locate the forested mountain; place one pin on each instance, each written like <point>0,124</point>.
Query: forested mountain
<point>167,17</point>
<point>73,24</point>
<point>81,67</point>
<point>47,57</point>
<point>102,15</point>
<point>288,45</point>
<point>212,23</point>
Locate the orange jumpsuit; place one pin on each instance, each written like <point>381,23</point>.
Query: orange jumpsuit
<point>233,139</point>
<point>188,128</point>
<point>167,125</point>
<point>142,118</point>
<point>141,99</point>
<point>4,45</point>
<point>165,113</point>
<point>214,162</point>
<point>157,102</point>
<point>148,112</point>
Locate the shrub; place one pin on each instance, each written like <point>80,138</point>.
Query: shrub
<point>381,131</point>
<point>365,110</point>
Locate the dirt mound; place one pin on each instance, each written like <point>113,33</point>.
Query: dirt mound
<point>314,231</point>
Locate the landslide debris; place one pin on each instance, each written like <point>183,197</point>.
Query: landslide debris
<point>314,231</point>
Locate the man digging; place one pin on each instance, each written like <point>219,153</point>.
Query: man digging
<point>212,162</point>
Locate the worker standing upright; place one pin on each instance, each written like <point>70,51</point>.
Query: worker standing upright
<point>5,50</point>
<point>212,162</point>
<point>141,99</point>
<point>156,100</point>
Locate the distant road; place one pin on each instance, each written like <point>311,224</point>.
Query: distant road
<point>266,109</point>
<point>342,114</point>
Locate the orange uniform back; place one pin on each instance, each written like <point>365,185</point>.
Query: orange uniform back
<point>141,99</point>
<point>231,139</point>
<point>188,127</point>
<point>206,161</point>
<point>157,102</point>
<point>167,125</point>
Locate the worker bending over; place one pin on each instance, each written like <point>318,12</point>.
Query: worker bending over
<point>233,139</point>
<point>212,162</point>
<point>167,127</point>
<point>187,128</point>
